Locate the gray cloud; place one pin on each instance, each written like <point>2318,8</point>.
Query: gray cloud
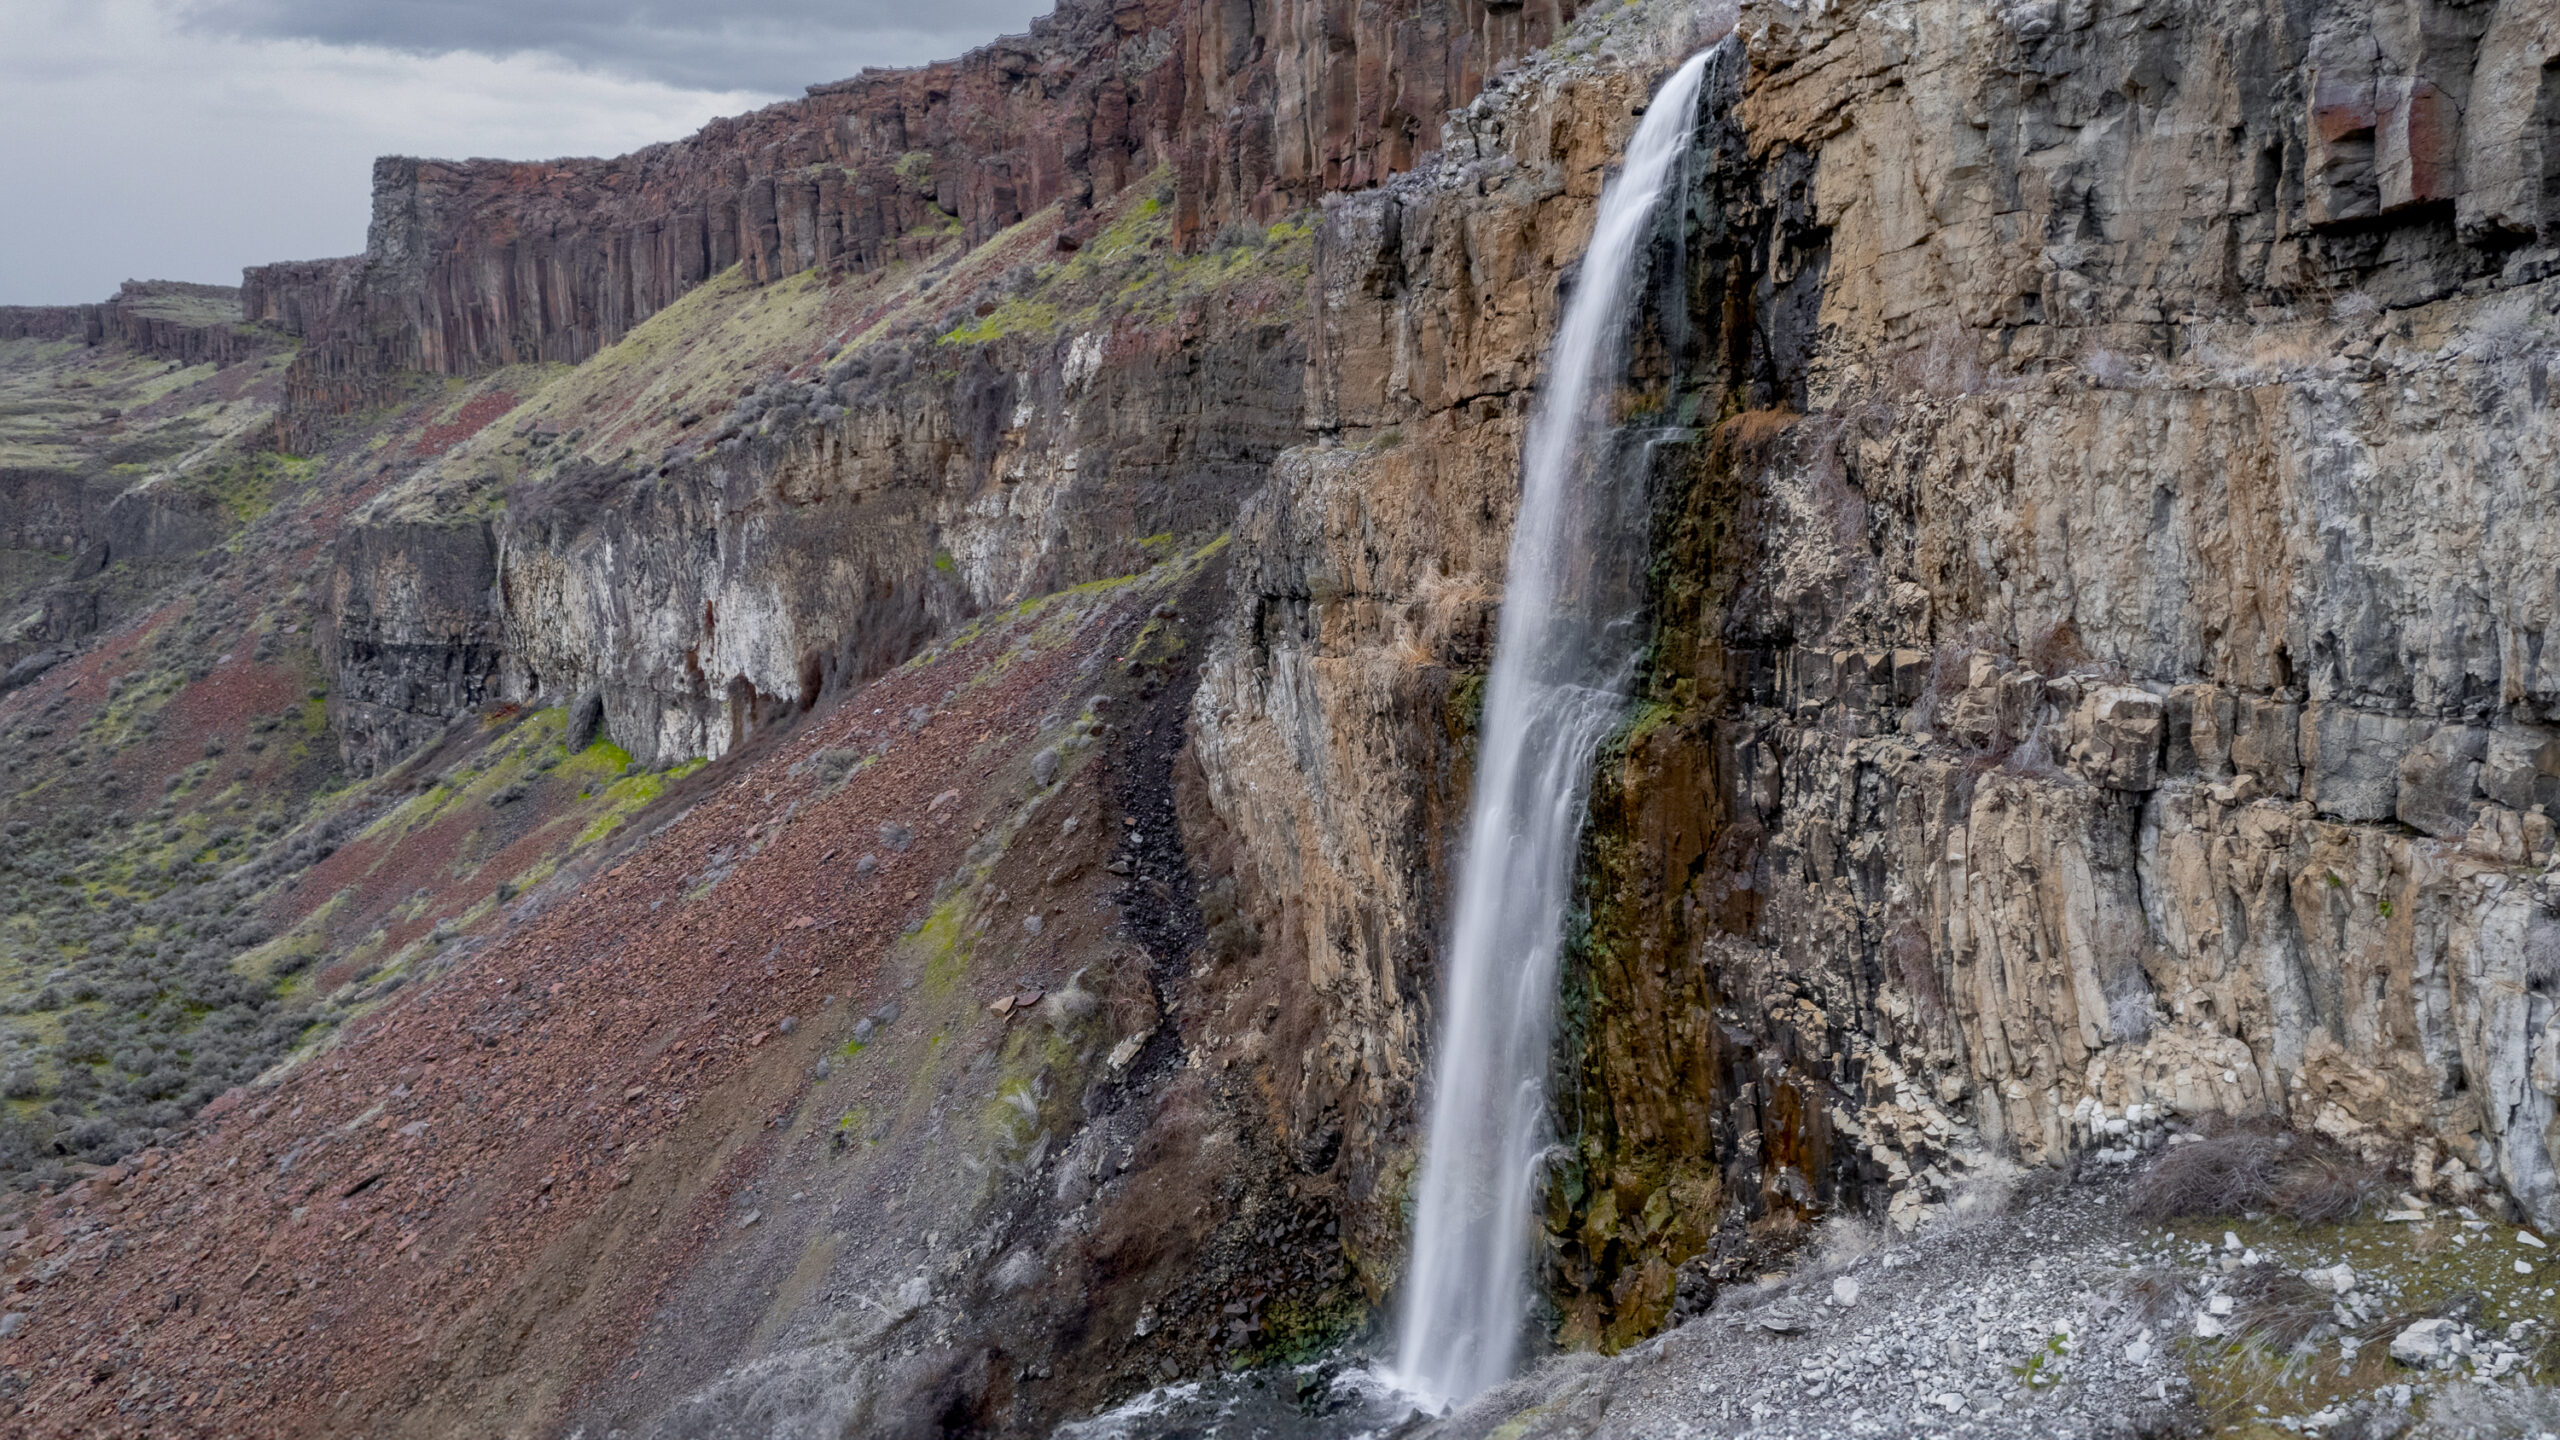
<point>183,139</point>
<point>770,45</point>
<point>143,149</point>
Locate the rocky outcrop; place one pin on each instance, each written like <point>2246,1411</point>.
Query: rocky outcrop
<point>45,322</point>
<point>745,586</point>
<point>410,635</point>
<point>191,324</point>
<point>298,296</point>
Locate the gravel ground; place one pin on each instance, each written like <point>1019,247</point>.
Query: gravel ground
<point>2000,1322</point>
<point>1996,1321</point>
<point>2042,1315</point>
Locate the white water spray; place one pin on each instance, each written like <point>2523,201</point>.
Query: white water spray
<point>1561,665</point>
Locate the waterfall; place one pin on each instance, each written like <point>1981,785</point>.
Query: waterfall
<point>1562,660</point>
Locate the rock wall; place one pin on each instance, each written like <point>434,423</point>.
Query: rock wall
<point>2157,561</point>
<point>191,324</point>
<point>1335,720</point>
<point>45,322</point>
<point>1259,105</point>
<point>297,296</point>
<point>410,635</point>
<point>2099,671</point>
<point>742,587</point>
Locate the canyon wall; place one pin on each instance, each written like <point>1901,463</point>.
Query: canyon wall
<point>191,324</point>
<point>746,586</point>
<point>2100,573</point>
<point>791,575</point>
<point>1258,107</point>
<point>2102,560</point>
<point>2099,673</point>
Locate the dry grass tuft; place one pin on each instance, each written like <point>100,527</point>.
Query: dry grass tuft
<point>2302,1177</point>
<point>2321,1185</point>
<point>2224,1175</point>
<point>2279,1309</point>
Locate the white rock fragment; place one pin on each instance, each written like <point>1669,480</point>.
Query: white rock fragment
<point>2426,1342</point>
<point>1844,1291</point>
<point>2527,1237</point>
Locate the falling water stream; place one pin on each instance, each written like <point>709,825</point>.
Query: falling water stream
<point>1562,661</point>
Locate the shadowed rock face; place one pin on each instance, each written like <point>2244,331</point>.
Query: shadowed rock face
<point>411,636</point>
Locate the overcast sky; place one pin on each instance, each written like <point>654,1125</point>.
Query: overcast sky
<point>183,139</point>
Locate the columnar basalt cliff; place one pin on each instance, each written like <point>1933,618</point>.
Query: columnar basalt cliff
<point>1241,115</point>
<point>1259,109</point>
<point>191,324</point>
<point>2098,677</point>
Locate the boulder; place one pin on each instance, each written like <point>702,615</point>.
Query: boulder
<point>2427,1342</point>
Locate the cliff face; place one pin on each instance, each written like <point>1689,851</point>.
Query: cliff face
<point>2051,602</point>
<point>2098,676</point>
<point>1258,108</point>
<point>191,324</point>
<point>821,551</point>
<point>698,558</point>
